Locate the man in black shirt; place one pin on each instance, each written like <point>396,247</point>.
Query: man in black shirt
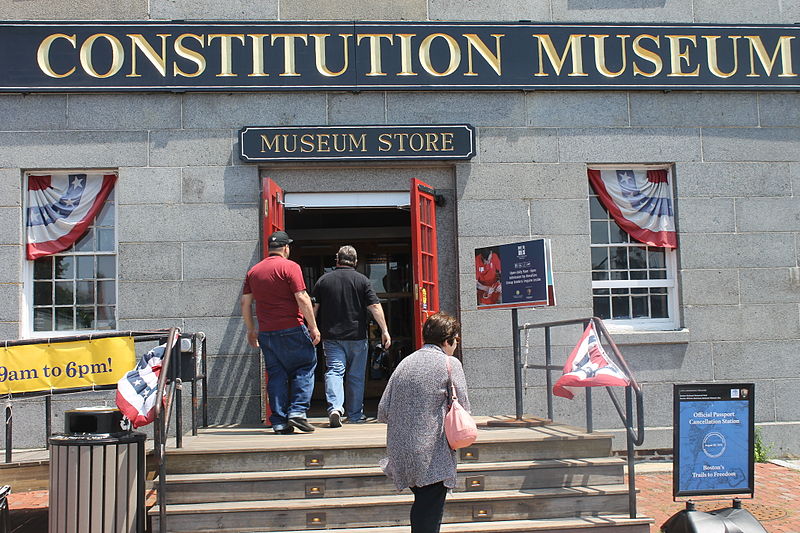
<point>343,297</point>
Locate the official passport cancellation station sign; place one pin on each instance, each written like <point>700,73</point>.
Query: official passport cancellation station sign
<point>713,439</point>
<point>348,143</point>
<point>245,56</point>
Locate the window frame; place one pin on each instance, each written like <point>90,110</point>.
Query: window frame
<point>27,306</point>
<point>672,321</point>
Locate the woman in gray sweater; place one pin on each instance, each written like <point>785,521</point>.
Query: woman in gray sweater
<point>413,407</point>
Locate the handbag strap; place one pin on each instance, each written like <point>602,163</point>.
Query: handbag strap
<point>451,386</point>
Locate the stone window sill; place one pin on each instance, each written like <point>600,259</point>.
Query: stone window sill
<point>629,338</point>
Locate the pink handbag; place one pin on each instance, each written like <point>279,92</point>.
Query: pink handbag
<point>459,427</point>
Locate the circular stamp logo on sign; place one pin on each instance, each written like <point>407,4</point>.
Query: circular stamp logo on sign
<point>714,444</point>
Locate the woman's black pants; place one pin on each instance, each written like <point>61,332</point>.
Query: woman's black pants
<point>428,508</point>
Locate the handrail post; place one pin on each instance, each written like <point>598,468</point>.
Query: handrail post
<point>205,384</point>
<point>589,420</point>
<point>631,462</point>
<point>548,360</point>
<point>48,419</point>
<point>517,364</point>
<point>9,432</point>
<point>178,355</point>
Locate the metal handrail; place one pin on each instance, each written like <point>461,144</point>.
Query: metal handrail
<point>632,392</point>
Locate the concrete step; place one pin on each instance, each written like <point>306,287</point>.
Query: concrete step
<point>301,452</point>
<point>393,510</point>
<point>371,481</point>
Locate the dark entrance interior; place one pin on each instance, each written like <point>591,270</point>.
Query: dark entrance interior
<point>382,238</point>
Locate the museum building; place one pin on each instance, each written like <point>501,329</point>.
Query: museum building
<point>418,132</point>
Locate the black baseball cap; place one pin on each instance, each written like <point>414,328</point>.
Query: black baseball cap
<point>279,238</point>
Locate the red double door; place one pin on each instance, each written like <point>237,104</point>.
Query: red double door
<point>423,249</point>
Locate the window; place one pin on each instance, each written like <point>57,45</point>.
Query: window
<point>633,284</point>
<point>75,289</point>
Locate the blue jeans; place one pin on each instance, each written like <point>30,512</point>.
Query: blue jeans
<point>290,359</point>
<point>344,379</point>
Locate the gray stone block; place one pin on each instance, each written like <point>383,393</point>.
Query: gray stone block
<point>65,10</point>
<point>11,257</point>
<point>560,217</point>
<point>231,185</point>
<point>131,324</point>
<point>359,108</point>
<point>794,176</point>
<point>782,438</point>
<point>187,223</point>
<point>489,368</point>
<point>745,361</point>
<point>170,300</point>
<point>783,214</point>
<point>670,363</point>
<point>726,250</point>
<point>10,187</point>
<point>710,287</point>
<point>150,261</point>
<point>753,144</point>
<point>491,402</point>
<point>487,328</point>
<point>768,285</point>
<point>73,149</point>
<point>224,335</point>
<point>353,10</point>
<point>234,410</point>
<point>746,322</point>
<point>11,222</point>
<point>337,179</point>
<point>33,112</point>
<point>213,111</point>
<point>9,295</point>
<point>476,108</point>
<point>10,330</point>
<point>219,260</point>
<point>176,148</point>
<point>488,10</point>
<point>492,218</point>
<point>639,145</point>
<point>573,109</point>
<point>136,185</point>
<point>701,215</point>
<point>234,375</point>
<point>785,400</point>
<point>732,179</point>
<point>126,111</point>
<point>517,145</point>
<point>210,10</point>
<point>693,109</point>
<point>761,12</point>
<point>487,181</point>
<point>620,11</point>
<point>779,109</point>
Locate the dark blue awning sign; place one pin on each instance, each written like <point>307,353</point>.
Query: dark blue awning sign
<point>713,439</point>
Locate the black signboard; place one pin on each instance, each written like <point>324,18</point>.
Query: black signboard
<point>515,275</point>
<point>247,56</point>
<point>713,439</point>
<point>353,143</point>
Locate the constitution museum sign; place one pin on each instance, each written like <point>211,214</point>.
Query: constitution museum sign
<point>234,56</point>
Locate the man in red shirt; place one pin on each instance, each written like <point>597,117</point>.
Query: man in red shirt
<point>276,284</point>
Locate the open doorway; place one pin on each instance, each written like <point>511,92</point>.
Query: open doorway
<point>382,238</point>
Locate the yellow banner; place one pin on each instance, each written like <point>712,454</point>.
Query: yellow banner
<point>65,365</point>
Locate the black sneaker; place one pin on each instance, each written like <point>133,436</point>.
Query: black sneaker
<point>288,430</point>
<point>335,419</point>
<point>301,424</point>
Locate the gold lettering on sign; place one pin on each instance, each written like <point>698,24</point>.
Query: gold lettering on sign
<point>267,145</point>
<point>493,59</point>
<point>557,61</point>
<point>406,68</point>
<point>117,55</point>
<point>600,55</point>
<point>289,57</point>
<point>676,55</point>
<point>43,54</point>
<point>384,142</point>
<point>138,42</point>
<point>425,54</point>
<point>258,54</point>
<point>713,56</point>
<point>225,51</point>
<point>319,53</point>
<point>768,62</point>
<point>306,143</point>
<point>375,64</point>
<point>447,142</point>
<point>192,55</point>
<point>361,142</point>
<point>647,55</point>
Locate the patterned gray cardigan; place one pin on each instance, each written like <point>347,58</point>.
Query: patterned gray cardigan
<point>413,407</point>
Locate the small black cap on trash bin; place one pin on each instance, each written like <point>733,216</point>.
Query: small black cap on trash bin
<point>94,420</point>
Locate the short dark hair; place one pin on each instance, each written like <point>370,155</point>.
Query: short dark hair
<point>347,256</point>
<point>440,328</point>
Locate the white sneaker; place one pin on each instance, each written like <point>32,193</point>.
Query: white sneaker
<point>335,419</point>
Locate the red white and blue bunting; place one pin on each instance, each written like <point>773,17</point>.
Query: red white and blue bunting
<point>640,203</point>
<point>60,208</point>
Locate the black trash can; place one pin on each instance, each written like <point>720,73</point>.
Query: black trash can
<point>96,479</point>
